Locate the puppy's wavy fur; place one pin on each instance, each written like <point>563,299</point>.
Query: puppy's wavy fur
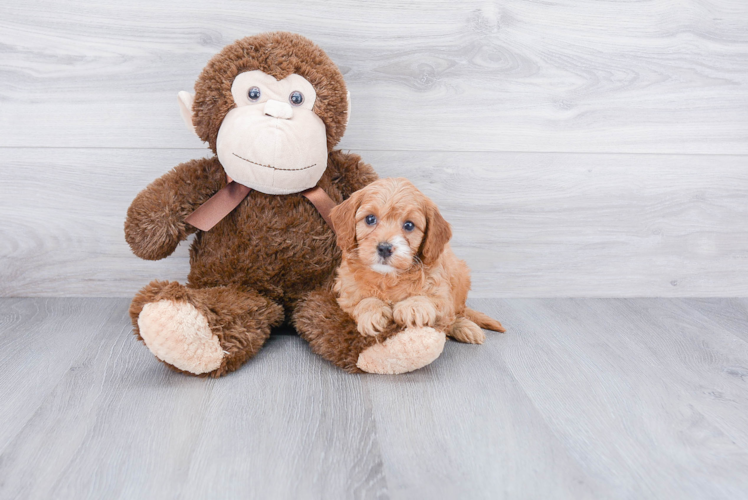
<point>398,267</point>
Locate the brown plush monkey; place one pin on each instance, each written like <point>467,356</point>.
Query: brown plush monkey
<point>271,107</point>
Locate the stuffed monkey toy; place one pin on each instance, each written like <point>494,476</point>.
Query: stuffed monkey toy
<point>271,108</point>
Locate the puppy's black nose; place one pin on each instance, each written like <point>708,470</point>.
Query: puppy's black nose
<point>384,249</point>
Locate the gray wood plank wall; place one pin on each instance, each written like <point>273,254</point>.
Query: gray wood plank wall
<point>580,148</point>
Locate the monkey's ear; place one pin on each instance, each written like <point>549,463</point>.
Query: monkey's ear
<point>348,114</point>
<point>343,219</point>
<point>438,234</point>
<point>185,109</point>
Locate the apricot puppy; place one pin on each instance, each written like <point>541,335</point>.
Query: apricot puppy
<point>398,267</point>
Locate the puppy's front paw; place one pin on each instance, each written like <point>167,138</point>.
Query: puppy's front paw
<point>415,311</point>
<point>373,317</point>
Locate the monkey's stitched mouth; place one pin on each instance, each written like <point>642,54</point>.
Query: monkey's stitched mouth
<point>274,168</point>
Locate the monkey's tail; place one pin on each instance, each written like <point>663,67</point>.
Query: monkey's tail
<point>483,320</point>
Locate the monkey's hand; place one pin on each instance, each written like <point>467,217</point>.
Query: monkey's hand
<point>372,316</point>
<point>155,220</point>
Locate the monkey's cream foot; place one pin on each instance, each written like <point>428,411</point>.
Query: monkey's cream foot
<point>178,334</point>
<point>409,350</point>
<point>466,331</point>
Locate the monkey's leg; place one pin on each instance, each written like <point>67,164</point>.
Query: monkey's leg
<point>332,334</point>
<point>202,331</point>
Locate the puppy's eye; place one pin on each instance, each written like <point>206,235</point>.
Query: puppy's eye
<point>296,98</point>
<point>371,220</point>
<point>254,93</point>
<point>409,226</point>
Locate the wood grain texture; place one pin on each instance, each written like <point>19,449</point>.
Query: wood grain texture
<point>660,76</point>
<point>464,427</point>
<point>527,224</point>
<point>118,424</point>
<point>43,338</point>
<point>728,313</point>
<point>582,398</point>
<point>634,389</point>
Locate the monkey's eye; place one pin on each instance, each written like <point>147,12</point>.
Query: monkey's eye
<point>409,226</point>
<point>371,220</point>
<point>254,93</point>
<point>296,98</point>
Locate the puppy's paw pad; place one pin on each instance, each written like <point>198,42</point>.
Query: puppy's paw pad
<point>415,312</point>
<point>466,331</point>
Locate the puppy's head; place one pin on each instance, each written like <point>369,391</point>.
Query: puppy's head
<point>390,226</point>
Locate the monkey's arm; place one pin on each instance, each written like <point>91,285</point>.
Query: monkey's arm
<point>349,172</point>
<point>155,220</point>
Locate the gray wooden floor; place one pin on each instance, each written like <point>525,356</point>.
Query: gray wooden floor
<point>583,398</point>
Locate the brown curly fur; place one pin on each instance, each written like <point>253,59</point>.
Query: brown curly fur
<point>278,54</point>
<point>231,313</point>
<point>255,265</point>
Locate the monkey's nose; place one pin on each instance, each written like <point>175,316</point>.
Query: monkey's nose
<point>384,249</point>
<point>278,109</point>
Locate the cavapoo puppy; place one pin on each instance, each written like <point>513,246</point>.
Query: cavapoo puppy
<point>398,266</point>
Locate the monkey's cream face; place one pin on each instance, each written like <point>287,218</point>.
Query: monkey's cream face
<point>272,141</point>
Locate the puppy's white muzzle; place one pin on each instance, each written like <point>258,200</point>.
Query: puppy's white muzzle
<point>400,248</point>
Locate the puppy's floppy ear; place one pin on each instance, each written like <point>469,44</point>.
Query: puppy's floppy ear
<point>343,219</point>
<point>438,233</point>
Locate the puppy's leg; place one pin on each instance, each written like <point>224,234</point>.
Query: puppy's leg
<point>372,316</point>
<point>464,330</point>
<point>417,310</point>
<point>483,320</point>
